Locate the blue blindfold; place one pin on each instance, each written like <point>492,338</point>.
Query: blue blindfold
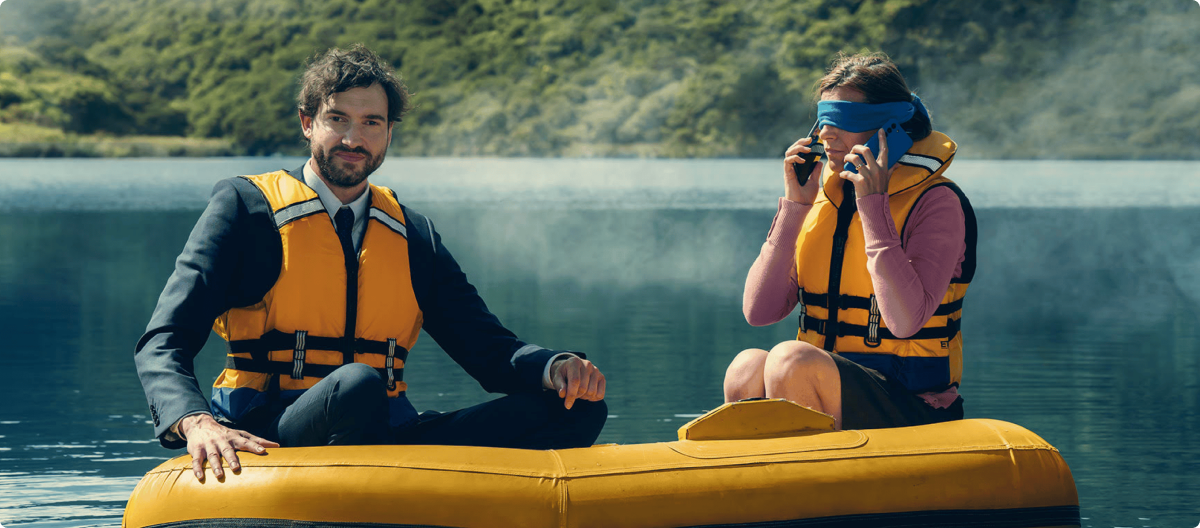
<point>861,117</point>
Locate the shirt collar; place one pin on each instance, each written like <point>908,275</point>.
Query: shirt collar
<point>330,200</point>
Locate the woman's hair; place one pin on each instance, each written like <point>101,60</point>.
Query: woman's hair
<point>879,80</point>
<point>339,70</point>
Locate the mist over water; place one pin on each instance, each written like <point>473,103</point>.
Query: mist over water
<point>167,184</point>
<point>1115,79</point>
<point>1082,325</point>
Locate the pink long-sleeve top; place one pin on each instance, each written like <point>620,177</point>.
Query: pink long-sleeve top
<point>910,276</point>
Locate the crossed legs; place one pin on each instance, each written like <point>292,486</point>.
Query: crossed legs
<point>350,407</point>
<point>792,370</point>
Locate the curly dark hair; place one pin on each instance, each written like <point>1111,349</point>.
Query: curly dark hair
<point>879,80</point>
<point>339,70</point>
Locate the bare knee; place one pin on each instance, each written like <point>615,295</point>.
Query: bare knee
<point>744,377</point>
<point>792,360</point>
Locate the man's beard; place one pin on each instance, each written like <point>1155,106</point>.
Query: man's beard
<point>335,175</point>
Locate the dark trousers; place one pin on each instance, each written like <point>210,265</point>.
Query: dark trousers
<point>871,400</point>
<point>350,407</point>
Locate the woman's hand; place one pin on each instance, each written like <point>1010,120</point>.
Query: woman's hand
<point>792,190</point>
<point>873,174</point>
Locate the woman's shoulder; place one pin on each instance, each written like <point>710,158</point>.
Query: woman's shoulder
<point>939,206</point>
<point>942,192</point>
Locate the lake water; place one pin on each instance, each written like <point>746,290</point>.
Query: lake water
<point>1082,323</point>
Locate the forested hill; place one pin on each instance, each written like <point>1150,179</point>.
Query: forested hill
<point>695,78</point>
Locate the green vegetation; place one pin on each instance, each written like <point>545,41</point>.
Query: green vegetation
<point>23,140</point>
<point>694,78</point>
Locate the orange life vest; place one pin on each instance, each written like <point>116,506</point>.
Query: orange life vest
<point>838,309</point>
<point>307,324</point>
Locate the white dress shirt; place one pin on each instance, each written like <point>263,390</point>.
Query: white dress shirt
<point>333,204</point>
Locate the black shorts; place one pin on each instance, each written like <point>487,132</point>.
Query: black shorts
<point>872,401</point>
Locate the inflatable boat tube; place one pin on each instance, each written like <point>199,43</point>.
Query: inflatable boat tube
<point>767,463</point>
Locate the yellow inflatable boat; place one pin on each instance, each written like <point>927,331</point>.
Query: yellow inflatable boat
<point>759,464</point>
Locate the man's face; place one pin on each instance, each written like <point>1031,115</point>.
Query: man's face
<point>349,135</point>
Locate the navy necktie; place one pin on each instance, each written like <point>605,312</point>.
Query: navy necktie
<point>344,219</point>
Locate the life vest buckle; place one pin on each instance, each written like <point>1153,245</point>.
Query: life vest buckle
<point>298,353</point>
<point>872,338</point>
<point>844,301</point>
<point>803,310</point>
<point>390,363</point>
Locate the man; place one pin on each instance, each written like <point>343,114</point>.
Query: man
<point>321,282</point>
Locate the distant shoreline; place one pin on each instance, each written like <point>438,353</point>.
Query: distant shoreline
<point>118,147</point>
<point>71,146</point>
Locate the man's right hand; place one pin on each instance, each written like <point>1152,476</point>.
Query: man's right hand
<point>209,440</point>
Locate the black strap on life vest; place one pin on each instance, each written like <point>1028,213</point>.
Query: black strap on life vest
<point>847,302</point>
<point>822,326</point>
<point>845,215</point>
<point>972,233</point>
<point>276,340</point>
<point>311,370</point>
<point>300,342</point>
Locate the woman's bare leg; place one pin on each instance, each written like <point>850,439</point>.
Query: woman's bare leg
<point>805,374</point>
<point>744,377</point>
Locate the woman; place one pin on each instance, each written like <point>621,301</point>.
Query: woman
<point>878,258</point>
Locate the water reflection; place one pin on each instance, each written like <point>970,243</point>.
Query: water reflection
<point>63,498</point>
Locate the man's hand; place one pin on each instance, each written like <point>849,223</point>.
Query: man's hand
<point>576,379</point>
<point>207,439</point>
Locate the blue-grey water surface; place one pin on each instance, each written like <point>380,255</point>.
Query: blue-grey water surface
<point>1081,325</point>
